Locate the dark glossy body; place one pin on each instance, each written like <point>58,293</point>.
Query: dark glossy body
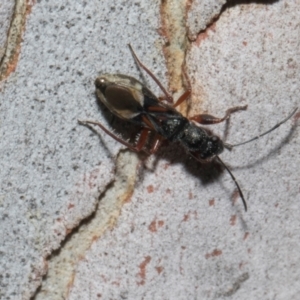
<point>130,100</point>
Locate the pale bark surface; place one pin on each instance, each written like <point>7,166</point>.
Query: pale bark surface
<point>172,229</point>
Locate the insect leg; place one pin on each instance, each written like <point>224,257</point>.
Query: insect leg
<point>156,143</point>
<point>141,141</point>
<point>206,119</point>
<point>169,98</point>
<point>182,98</point>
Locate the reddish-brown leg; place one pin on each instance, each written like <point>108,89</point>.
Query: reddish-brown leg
<point>168,97</point>
<point>141,141</point>
<point>188,92</point>
<point>157,140</point>
<point>164,98</point>
<point>182,98</point>
<point>206,119</point>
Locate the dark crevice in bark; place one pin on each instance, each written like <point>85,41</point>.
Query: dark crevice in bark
<point>232,3</point>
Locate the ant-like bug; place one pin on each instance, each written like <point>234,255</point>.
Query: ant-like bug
<point>130,100</point>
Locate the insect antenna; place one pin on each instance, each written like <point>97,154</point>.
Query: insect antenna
<point>229,146</point>
<point>231,175</point>
<point>236,183</point>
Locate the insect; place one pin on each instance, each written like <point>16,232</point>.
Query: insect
<point>130,100</point>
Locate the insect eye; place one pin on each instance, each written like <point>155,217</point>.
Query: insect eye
<point>100,83</point>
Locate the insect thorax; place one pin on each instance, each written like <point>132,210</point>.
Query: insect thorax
<point>198,140</point>
<point>170,127</point>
